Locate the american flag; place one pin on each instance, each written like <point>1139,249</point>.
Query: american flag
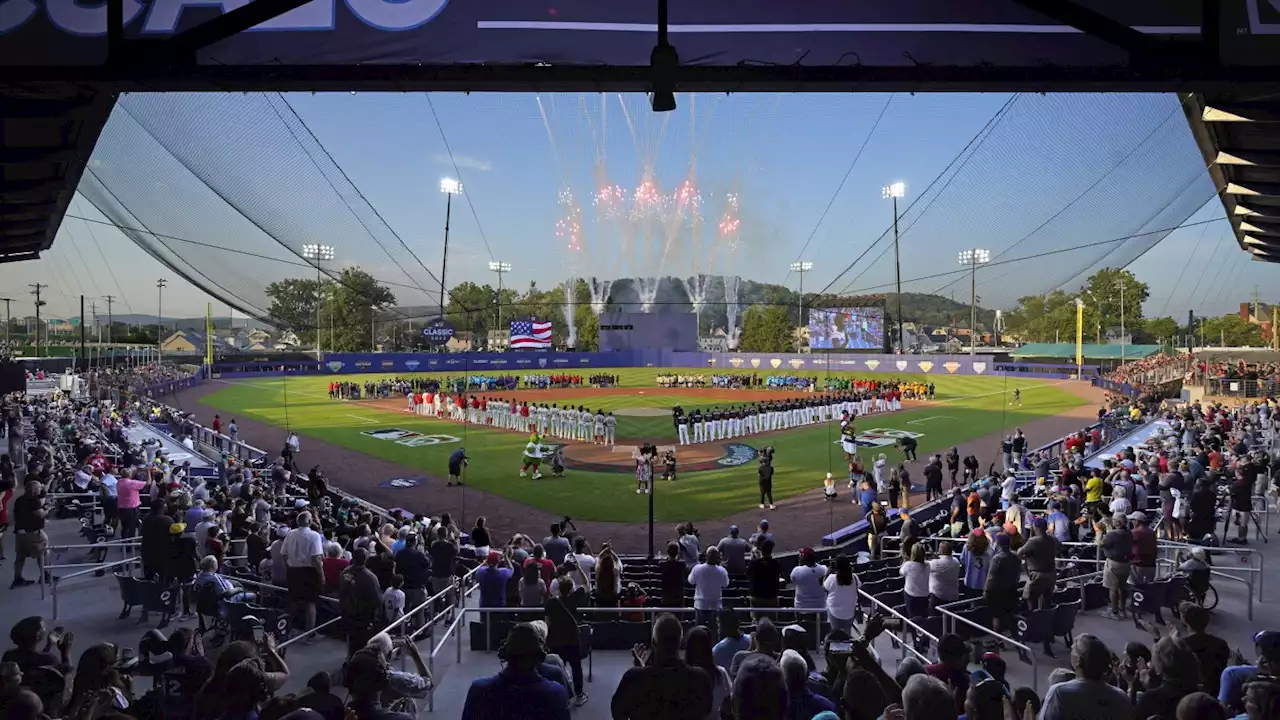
<point>530,335</point>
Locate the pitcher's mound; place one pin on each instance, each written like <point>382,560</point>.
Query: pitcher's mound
<point>689,458</point>
<point>642,412</point>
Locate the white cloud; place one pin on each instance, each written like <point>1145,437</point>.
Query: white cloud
<point>464,161</point>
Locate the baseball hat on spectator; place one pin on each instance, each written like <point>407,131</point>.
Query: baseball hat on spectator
<point>1138,516</point>
<point>733,530</point>
<point>300,503</point>
<point>806,554</point>
<point>1268,643</point>
<point>494,557</point>
<point>1004,540</point>
<point>177,528</point>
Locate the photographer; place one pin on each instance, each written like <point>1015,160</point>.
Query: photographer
<point>457,461</point>
<point>99,688</point>
<point>765,473</point>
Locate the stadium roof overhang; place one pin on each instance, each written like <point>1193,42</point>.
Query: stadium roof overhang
<point>1239,135</point>
<point>63,63</point>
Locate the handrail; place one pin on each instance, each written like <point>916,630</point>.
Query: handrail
<point>1248,586</point>
<point>1035,664</point>
<point>308,633</point>
<point>81,573</point>
<point>906,622</point>
<point>267,586</point>
<point>409,614</point>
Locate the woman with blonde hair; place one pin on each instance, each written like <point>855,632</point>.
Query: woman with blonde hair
<point>608,578</point>
<point>916,588</point>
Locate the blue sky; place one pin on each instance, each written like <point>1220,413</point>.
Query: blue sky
<point>783,156</point>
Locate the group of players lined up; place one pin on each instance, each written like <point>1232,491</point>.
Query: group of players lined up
<point>568,423</point>
<point>781,414</point>
<point>401,387</point>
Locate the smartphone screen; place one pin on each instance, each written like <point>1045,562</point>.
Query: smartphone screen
<point>839,648</point>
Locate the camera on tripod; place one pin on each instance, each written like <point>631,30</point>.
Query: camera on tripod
<point>766,455</point>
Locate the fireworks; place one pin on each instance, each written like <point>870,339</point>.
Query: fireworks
<point>569,226</point>
<point>610,201</point>
<point>647,201</point>
<point>729,221</point>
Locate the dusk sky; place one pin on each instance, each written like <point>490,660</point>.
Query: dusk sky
<point>1056,172</point>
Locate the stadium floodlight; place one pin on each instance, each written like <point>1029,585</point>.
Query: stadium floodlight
<point>318,254</point>
<point>502,268</point>
<point>450,186</point>
<point>973,258</point>
<point>893,191</point>
<point>800,268</point>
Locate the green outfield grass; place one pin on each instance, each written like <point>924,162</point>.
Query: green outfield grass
<point>966,407</point>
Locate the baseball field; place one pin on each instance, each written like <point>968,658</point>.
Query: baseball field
<point>716,480</point>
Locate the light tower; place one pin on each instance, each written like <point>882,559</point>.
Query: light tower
<point>318,254</point>
<point>449,187</point>
<point>973,258</point>
<point>894,191</point>
<point>800,268</point>
<point>501,268</point>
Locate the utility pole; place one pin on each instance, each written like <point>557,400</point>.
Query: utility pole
<point>82,350</point>
<point>160,285</point>
<point>8,320</point>
<point>1122,357</point>
<point>110,299</point>
<point>39,304</point>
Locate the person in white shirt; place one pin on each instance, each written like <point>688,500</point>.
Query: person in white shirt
<point>188,443</point>
<point>393,600</point>
<point>842,594</point>
<point>916,588</point>
<point>709,580</point>
<point>1007,487</point>
<point>83,477</point>
<point>944,577</point>
<point>303,550</point>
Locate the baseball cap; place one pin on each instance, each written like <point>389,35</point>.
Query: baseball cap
<point>1267,642</point>
<point>494,557</point>
<point>177,528</point>
<point>1003,540</point>
<point>733,529</point>
<point>1138,516</point>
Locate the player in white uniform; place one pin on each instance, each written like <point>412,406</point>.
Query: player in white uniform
<point>585,421</point>
<point>597,434</point>
<point>610,425</point>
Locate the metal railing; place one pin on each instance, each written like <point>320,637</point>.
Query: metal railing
<point>82,573</point>
<point>906,623</point>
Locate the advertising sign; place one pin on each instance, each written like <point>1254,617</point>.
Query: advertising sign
<point>438,331</point>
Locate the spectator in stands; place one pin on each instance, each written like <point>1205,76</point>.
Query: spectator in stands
<point>802,703</point>
<point>608,582</point>
<point>518,692</point>
<point>493,576</point>
<point>128,500</point>
<point>1237,676</point>
<point>30,539</point>
<point>320,697</point>
<point>1179,675</point>
<point>1041,556</point>
<point>401,683</point>
<point>480,537</point>
<point>952,668</point>
<point>764,576</point>
<point>700,654</point>
<point>1117,548</point>
<point>1200,706</point>
<point>360,600</point>
<point>1088,695</point>
<point>916,588</point>
<point>690,548</point>
<point>1211,651</point>
<point>976,559</point>
<point>563,637</point>
<point>556,546</point>
<point>1001,590</point>
<point>709,580</point>
<point>761,534</point>
<point>553,667</point>
<point>155,541</point>
<point>1145,549</point>
<point>673,573</point>
<point>927,698</point>
<point>732,640</point>
<point>909,534</point>
<point>545,566</point>
<point>841,587</point>
<point>332,566</point>
<point>181,565</point>
<point>208,580</point>
<point>733,552</point>
<point>303,550</point>
<point>393,600</point>
<point>662,686</point>
<point>533,591</point>
<point>413,565</point>
<point>27,635</point>
<point>99,688</point>
<point>764,641</point>
<point>444,561</point>
<point>807,577</point>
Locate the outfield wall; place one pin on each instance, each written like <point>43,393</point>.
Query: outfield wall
<point>587,362</point>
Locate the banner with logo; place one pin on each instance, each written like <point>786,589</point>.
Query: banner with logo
<point>438,331</point>
<point>721,33</point>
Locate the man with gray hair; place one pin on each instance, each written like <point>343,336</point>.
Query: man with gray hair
<point>399,682</point>
<point>1117,549</point>
<point>303,550</point>
<point>553,667</point>
<point>928,698</point>
<point>1089,695</point>
<point>801,701</point>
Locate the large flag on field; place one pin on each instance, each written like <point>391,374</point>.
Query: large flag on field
<point>530,335</point>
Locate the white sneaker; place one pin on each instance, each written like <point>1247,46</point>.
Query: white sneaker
<point>522,473</point>
<point>761,506</point>
<point>537,476</point>
<point>638,491</point>
<point>773,507</point>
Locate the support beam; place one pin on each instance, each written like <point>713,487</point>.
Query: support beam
<point>1248,158</point>
<point>1093,23</point>
<point>1240,112</point>
<point>1253,189</point>
<point>186,44</point>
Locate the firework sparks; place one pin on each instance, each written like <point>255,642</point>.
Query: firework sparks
<point>729,221</point>
<point>569,226</point>
<point>610,201</point>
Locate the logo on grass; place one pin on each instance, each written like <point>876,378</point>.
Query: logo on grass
<point>402,483</point>
<point>409,438</point>
<point>881,437</point>
<point>737,454</point>
<point>730,455</point>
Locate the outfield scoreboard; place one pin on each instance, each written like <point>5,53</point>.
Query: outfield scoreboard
<point>857,328</point>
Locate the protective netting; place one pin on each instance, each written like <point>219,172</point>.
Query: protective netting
<point>1055,188</point>
<point>228,190</point>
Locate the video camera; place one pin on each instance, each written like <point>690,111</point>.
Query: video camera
<point>766,455</point>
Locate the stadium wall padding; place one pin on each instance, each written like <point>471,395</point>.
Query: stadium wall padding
<point>586,362</point>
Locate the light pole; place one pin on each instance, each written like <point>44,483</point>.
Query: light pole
<point>318,254</point>
<point>1121,321</point>
<point>973,258</point>
<point>800,268</point>
<point>895,191</point>
<point>502,268</point>
<point>449,187</point>
<point>160,285</point>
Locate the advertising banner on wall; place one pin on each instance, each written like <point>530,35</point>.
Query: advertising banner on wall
<point>723,33</point>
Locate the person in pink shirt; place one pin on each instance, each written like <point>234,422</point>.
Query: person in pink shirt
<point>128,498</point>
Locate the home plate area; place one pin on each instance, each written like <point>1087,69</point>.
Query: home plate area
<point>689,458</point>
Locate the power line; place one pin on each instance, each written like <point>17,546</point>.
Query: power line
<point>93,236</point>
<point>843,180</point>
<point>474,215</point>
<point>1177,284</point>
